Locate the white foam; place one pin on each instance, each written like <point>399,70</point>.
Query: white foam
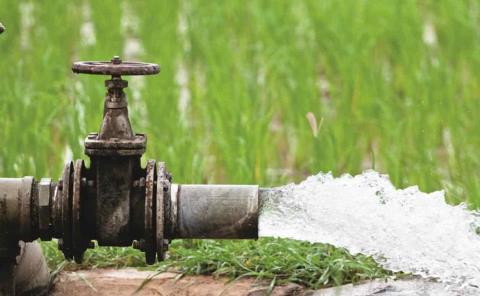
<point>403,229</point>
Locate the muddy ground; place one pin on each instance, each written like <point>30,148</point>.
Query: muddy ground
<point>127,282</point>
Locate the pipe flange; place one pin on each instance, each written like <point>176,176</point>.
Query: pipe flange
<point>65,244</point>
<point>115,147</point>
<point>72,243</point>
<point>163,190</point>
<point>149,241</point>
<point>79,243</point>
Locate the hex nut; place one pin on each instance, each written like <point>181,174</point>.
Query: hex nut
<point>44,193</point>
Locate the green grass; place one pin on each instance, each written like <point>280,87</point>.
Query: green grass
<point>311,265</point>
<point>384,97</point>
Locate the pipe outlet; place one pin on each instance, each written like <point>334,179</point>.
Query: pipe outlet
<point>214,211</point>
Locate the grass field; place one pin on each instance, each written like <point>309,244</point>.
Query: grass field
<point>389,85</point>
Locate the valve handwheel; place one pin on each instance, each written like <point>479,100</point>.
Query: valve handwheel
<point>116,67</point>
<point>116,124</point>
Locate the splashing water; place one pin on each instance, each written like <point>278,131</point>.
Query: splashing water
<point>404,230</point>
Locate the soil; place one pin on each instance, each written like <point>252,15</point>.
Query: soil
<point>127,282</point>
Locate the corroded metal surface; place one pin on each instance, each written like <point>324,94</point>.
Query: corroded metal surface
<point>115,201</point>
<point>115,146</point>
<point>112,199</point>
<point>18,208</point>
<point>80,241</point>
<point>163,193</point>
<point>115,67</point>
<point>65,242</point>
<point>16,220</point>
<point>148,242</point>
<point>117,192</point>
<point>56,212</point>
<point>217,211</point>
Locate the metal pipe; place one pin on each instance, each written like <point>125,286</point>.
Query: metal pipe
<point>214,211</point>
<point>25,274</point>
<point>18,205</point>
<point>22,265</point>
<point>115,201</point>
<point>31,271</point>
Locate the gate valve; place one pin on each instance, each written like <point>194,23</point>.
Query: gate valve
<point>114,201</point>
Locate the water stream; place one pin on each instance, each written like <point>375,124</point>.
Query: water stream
<point>402,229</point>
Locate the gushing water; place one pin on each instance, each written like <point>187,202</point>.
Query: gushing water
<point>403,229</point>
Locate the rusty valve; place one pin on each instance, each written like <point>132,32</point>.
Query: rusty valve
<point>114,201</point>
<point>117,202</point>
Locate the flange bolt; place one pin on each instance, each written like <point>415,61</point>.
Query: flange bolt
<point>139,245</point>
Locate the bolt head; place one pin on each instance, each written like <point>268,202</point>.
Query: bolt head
<point>139,245</point>
<point>116,60</point>
<point>136,244</point>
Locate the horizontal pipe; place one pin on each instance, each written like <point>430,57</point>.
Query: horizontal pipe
<point>17,210</point>
<point>214,211</point>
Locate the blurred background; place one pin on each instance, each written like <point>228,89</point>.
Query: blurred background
<point>253,91</point>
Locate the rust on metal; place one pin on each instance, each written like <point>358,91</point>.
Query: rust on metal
<point>115,146</point>
<point>163,190</point>
<point>115,151</point>
<point>65,245</point>
<point>18,209</point>
<point>116,201</point>
<point>149,241</point>
<point>115,67</point>
<point>79,242</point>
<point>228,211</point>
